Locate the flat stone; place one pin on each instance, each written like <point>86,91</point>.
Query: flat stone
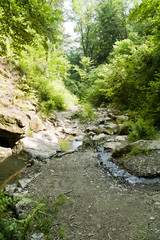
<point>121,138</point>
<point>79,138</point>
<point>99,137</point>
<point>112,126</point>
<point>23,182</point>
<point>47,136</point>
<point>122,118</point>
<point>112,145</point>
<point>92,129</point>
<point>37,236</point>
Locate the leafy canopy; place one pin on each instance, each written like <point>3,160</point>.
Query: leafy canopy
<point>22,20</point>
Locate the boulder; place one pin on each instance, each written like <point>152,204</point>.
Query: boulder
<point>13,126</point>
<point>111,128</point>
<point>141,144</point>
<point>40,146</point>
<point>104,120</point>
<point>121,138</point>
<point>144,163</point>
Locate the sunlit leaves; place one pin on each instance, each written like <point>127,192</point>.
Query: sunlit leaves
<point>22,20</point>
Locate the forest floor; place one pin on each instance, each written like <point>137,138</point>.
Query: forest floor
<point>100,207</point>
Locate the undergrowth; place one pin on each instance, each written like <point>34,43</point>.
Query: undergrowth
<point>45,79</point>
<point>141,129</point>
<point>137,150</point>
<point>86,113</point>
<point>40,220</point>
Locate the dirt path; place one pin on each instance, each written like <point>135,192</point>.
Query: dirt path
<point>102,208</point>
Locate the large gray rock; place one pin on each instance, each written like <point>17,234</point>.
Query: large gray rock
<point>43,145</point>
<point>144,163</point>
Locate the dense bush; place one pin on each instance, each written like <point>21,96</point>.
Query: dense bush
<point>141,129</point>
<point>40,218</point>
<point>46,78</point>
<point>130,80</point>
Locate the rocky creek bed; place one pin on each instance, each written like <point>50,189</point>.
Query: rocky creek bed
<point>103,207</point>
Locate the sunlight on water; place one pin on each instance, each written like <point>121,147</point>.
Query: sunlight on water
<point>69,144</point>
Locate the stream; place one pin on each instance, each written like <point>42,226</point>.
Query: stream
<point>13,164</point>
<point>114,170</point>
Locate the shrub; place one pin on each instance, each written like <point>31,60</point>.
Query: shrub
<point>85,113</point>
<point>39,220</point>
<point>141,129</point>
<point>46,78</point>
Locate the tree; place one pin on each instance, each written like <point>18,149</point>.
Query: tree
<point>84,15</point>
<point>100,24</point>
<point>22,20</point>
<point>111,24</point>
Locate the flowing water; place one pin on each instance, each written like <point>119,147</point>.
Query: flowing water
<point>114,170</point>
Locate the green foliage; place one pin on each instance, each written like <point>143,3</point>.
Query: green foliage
<point>98,93</point>
<point>84,16</point>
<point>148,11</point>
<point>145,233</point>
<point>153,97</point>
<point>136,150</point>
<point>130,80</point>
<point>85,71</point>
<point>22,21</point>
<point>11,227</point>
<point>46,78</point>
<point>141,129</point>
<point>85,113</point>
<point>40,219</point>
<point>99,24</point>
<point>112,26</point>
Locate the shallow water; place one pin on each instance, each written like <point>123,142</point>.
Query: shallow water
<point>10,166</point>
<point>69,144</point>
<point>114,170</point>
